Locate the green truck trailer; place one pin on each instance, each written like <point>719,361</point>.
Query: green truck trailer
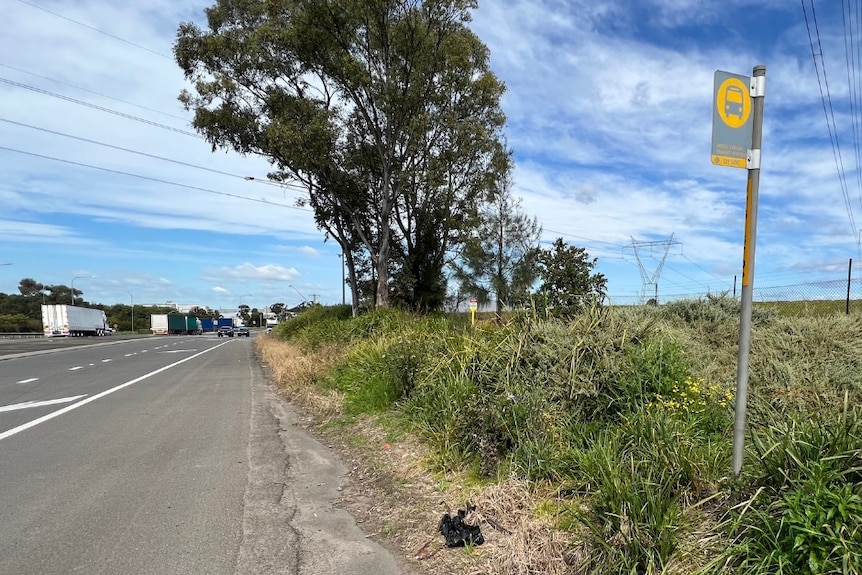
<point>183,324</point>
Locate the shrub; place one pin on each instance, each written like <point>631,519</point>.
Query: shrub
<point>805,515</point>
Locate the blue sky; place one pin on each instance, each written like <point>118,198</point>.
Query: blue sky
<point>609,109</point>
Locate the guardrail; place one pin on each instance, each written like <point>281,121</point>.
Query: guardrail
<point>17,335</point>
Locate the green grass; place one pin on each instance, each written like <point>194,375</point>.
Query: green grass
<point>631,410</point>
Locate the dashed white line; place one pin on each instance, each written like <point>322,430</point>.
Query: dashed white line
<point>76,368</point>
<point>106,360</point>
<point>130,354</point>
<point>32,379</point>
<point>68,408</point>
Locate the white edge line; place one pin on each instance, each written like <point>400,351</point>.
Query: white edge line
<point>67,409</point>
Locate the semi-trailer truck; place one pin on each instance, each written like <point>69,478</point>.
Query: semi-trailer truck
<point>159,324</point>
<point>175,324</point>
<point>183,324</point>
<point>61,320</point>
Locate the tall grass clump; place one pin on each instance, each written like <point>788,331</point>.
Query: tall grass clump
<point>806,363</point>
<point>389,352</point>
<point>604,403</point>
<point>625,414</point>
<point>802,499</point>
<point>317,325</point>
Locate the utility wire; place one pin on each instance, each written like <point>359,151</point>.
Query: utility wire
<point>158,180</point>
<point>108,34</point>
<point>96,107</point>
<point>695,264</point>
<point>103,95</point>
<point>852,83</point>
<point>828,111</point>
<point>155,157</point>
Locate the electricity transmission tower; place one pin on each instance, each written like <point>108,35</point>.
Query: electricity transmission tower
<point>650,279</point>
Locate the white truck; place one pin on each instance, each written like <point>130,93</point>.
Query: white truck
<point>159,323</point>
<point>61,320</point>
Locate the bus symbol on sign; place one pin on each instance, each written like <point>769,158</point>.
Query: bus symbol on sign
<point>732,120</point>
<point>733,101</point>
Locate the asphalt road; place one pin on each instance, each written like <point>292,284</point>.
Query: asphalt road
<point>164,456</point>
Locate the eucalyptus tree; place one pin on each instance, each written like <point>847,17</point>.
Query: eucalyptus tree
<point>385,111</point>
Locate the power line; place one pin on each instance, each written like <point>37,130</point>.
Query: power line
<point>700,268</point>
<point>828,111</point>
<point>102,94</point>
<point>96,107</point>
<point>850,62</point>
<point>162,158</point>
<point>619,246</point>
<point>108,34</point>
<point>158,180</point>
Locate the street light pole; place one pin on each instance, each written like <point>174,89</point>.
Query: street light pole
<point>73,285</point>
<point>132,299</point>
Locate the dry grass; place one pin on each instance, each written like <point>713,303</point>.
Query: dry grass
<point>518,542</point>
<point>298,376</point>
<point>396,499</point>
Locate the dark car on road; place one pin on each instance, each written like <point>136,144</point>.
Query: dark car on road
<point>241,331</point>
<point>225,330</point>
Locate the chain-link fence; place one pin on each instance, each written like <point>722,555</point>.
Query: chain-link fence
<point>810,298</point>
<point>813,298</point>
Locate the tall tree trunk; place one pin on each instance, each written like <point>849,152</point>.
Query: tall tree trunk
<point>382,264</point>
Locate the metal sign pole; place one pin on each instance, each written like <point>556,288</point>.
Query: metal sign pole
<point>758,88</point>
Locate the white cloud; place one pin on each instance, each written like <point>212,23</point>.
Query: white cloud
<point>249,272</point>
<point>608,105</point>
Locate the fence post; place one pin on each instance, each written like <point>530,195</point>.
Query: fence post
<point>849,272</point>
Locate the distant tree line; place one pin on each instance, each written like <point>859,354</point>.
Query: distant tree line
<point>22,312</point>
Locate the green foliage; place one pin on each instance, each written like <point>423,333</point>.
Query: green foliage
<point>382,368</point>
<point>19,323</point>
<point>316,325</point>
<point>714,310</point>
<point>392,136</point>
<point>498,255</point>
<point>568,281</point>
<point>805,515</point>
<point>631,411</point>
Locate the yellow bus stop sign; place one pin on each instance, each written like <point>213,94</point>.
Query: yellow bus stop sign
<point>731,119</point>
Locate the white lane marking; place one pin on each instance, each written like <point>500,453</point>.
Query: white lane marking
<point>29,404</point>
<point>76,368</point>
<point>106,360</point>
<point>32,379</point>
<point>143,351</point>
<point>92,364</point>
<point>68,408</point>
<point>130,354</point>
<point>178,351</point>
